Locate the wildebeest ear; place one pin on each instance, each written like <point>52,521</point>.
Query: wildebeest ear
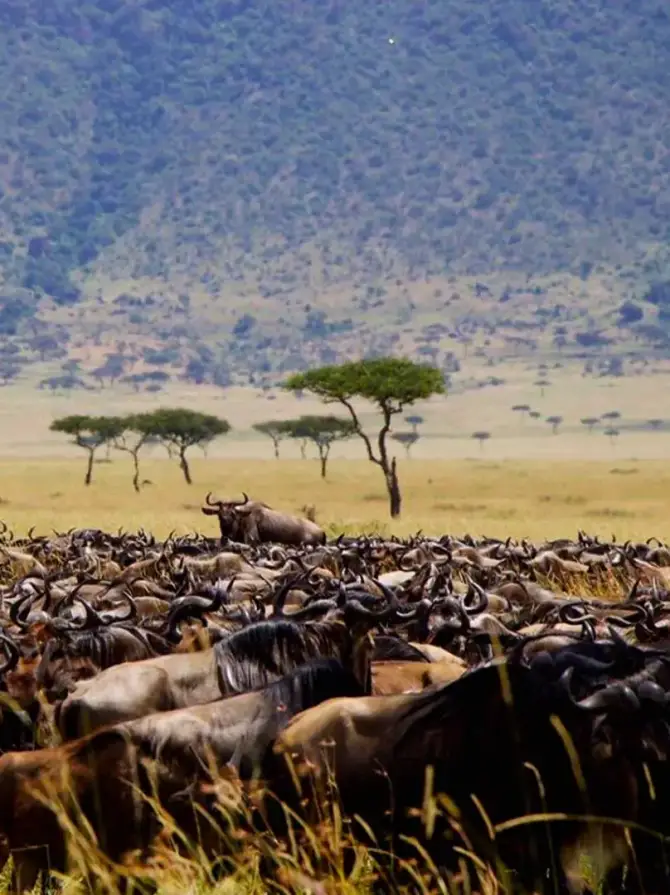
<point>209,511</point>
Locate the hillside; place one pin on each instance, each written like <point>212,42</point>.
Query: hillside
<point>235,185</point>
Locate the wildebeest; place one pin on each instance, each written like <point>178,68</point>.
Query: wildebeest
<point>435,606</point>
<point>502,743</point>
<point>186,747</point>
<point>253,522</point>
<point>247,659</point>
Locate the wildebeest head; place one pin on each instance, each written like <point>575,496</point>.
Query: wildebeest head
<point>228,513</point>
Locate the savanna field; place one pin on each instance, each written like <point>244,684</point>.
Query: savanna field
<point>254,243</point>
<point>522,499</point>
<point>524,485</point>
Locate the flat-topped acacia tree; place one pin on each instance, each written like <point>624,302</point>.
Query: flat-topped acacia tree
<point>323,431</point>
<point>179,428</point>
<point>90,433</point>
<point>276,430</point>
<point>388,382</point>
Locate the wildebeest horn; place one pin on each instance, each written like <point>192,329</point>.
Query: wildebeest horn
<point>20,609</point>
<point>614,696</point>
<point>632,594</point>
<point>131,614</point>
<point>93,618</point>
<point>194,607</point>
<point>12,653</point>
<point>650,691</point>
<point>479,591</point>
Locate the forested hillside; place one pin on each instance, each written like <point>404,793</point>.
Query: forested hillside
<point>287,169</point>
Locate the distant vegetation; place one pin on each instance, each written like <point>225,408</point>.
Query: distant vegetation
<point>275,150</point>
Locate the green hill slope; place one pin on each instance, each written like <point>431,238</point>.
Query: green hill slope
<point>250,163</point>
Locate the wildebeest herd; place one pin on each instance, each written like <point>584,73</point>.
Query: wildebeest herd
<point>459,702</point>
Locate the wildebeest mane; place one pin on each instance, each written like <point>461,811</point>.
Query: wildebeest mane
<point>263,652</point>
<point>311,684</point>
<point>103,646</point>
<point>388,648</point>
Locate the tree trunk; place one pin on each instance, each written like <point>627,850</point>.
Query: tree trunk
<point>393,488</point>
<point>303,449</point>
<point>323,457</point>
<point>136,476</point>
<point>183,462</point>
<point>276,444</point>
<point>89,468</point>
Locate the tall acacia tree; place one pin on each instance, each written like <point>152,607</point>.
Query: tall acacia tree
<point>135,432</point>
<point>391,384</point>
<point>276,430</point>
<point>90,433</point>
<point>179,428</point>
<point>323,431</point>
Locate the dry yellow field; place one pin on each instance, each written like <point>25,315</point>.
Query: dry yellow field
<point>535,499</point>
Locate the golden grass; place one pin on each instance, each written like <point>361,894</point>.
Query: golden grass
<point>535,499</point>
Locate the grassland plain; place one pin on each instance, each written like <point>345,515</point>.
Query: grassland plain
<point>534,499</point>
<point>524,481</point>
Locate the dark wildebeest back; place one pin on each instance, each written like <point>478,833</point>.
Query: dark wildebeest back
<point>510,753</point>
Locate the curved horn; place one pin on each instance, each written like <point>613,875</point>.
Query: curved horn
<point>12,653</point>
<point>93,618</point>
<point>616,696</point>
<point>20,609</point>
<point>131,614</point>
<point>482,602</point>
<point>213,503</point>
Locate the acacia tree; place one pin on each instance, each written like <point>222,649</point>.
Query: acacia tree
<point>481,437</point>
<point>178,429</point>
<point>554,422</point>
<point>523,409</point>
<point>415,421</point>
<point>136,431</point>
<point>612,434</point>
<point>391,384</point>
<point>590,422</point>
<point>276,430</point>
<point>323,431</point>
<point>406,439</point>
<point>90,433</point>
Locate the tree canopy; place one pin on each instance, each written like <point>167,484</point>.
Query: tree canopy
<point>90,433</point>
<point>179,428</point>
<point>323,431</point>
<point>388,382</point>
<point>276,430</point>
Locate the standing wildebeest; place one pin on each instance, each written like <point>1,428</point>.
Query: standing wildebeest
<point>250,658</point>
<point>187,748</point>
<point>253,522</point>
<point>502,736</point>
